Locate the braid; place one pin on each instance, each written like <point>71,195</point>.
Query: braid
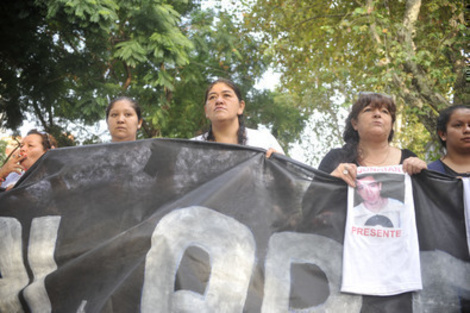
<point>241,133</point>
<point>241,130</point>
<point>351,139</point>
<point>210,135</point>
<point>350,152</point>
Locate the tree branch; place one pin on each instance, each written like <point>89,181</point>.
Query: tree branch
<point>342,15</point>
<point>149,131</point>
<point>373,25</point>
<point>129,77</point>
<point>420,81</point>
<point>39,114</point>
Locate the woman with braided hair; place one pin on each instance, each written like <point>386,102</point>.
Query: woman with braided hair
<point>224,107</point>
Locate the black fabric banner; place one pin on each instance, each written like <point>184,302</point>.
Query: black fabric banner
<point>166,225</point>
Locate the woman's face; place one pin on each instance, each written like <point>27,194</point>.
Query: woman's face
<point>32,148</point>
<point>457,135</point>
<point>373,122</point>
<point>123,121</point>
<point>223,104</point>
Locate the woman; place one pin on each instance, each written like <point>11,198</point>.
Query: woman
<point>368,133</point>
<point>224,107</point>
<point>453,129</point>
<point>32,147</point>
<point>124,119</point>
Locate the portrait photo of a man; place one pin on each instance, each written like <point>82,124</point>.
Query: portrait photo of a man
<point>376,205</point>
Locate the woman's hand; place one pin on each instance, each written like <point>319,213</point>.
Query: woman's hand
<point>347,172</point>
<point>270,152</point>
<point>414,165</point>
<point>12,165</point>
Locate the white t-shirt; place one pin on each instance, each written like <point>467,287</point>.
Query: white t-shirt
<point>466,205</point>
<point>381,252</point>
<point>11,180</point>
<point>255,138</point>
<point>389,216</point>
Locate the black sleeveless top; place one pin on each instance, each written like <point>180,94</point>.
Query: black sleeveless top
<point>336,156</point>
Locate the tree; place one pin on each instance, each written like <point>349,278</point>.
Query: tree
<point>223,49</point>
<point>3,156</point>
<point>64,60</point>
<point>77,55</point>
<point>410,49</point>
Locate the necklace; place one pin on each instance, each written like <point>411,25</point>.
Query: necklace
<point>367,163</point>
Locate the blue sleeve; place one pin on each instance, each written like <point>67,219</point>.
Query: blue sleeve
<point>437,166</point>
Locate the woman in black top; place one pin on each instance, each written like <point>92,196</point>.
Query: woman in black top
<point>367,136</point>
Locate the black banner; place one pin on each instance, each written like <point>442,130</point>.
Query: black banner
<point>166,225</point>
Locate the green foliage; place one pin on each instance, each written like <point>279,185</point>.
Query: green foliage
<point>65,60</point>
<point>414,136</point>
<point>223,49</point>
<point>279,112</point>
<point>131,51</point>
<point>3,146</point>
<point>325,49</point>
<point>74,56</point>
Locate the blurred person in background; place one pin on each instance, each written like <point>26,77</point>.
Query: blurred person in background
<point>32,148</point>
<point>453,129</point>
<point>124,119</point>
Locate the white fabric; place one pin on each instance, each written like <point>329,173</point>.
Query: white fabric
<point>466,202</point>
<point>11,180</point>
<point>256,138</point>
<point>381,260</point>
<point>391,212</point>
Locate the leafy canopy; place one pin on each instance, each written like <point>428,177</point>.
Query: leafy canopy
<point>330,50</point>
<point>64,60</point>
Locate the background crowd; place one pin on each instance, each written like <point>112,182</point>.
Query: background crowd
<point>367,135</point>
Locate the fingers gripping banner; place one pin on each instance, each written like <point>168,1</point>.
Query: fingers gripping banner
<point>181,226</point>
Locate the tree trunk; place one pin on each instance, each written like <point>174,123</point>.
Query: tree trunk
<point>421,94</point>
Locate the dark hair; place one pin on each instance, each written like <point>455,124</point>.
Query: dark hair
<point>443,120</point>
<point>133,103</point>
<point>48,141</point>
<point>350,135</point>
<point>241,134</point>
